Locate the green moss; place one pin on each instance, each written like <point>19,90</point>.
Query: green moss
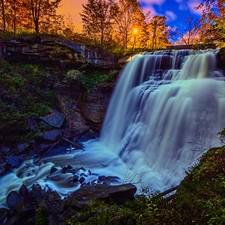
<point>42,216</point>
<point>91,79</point>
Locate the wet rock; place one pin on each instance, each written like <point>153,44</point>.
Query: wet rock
<point>81,180</point>
<point>108,179</point>
<point>52,135</point>
<point>23,146</point>
<point>53,170</point>
<point>73,180</point>
<point>12,199</point>
<point>15,161</point>
<point>23,191</point>
<point>55,119</point>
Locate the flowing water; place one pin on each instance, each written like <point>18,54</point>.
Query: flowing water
<point>166,110</point>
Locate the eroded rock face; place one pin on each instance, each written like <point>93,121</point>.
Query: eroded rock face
<point>58,51</point>
<point>96,103</point>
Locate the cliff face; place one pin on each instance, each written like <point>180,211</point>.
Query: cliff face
<point>60,52</point>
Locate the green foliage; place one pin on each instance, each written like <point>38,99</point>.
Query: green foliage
<point>96,77</point>
<point>24,93</point>
<point>42,216</point>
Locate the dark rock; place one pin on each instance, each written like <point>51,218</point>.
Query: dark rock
<point>90,134</point>
<point>25,208</point>
<point>15,161</point>
<point>81,180</point>
<point>36,193</point>
<point>44,147</point>
<point>3,215</point>
<point>118,194</point>
<point>15,220</point>
<point>23,191</point>
<point>23,146</point>
<point>12,199</point>
<point>52,135</point>
<point>53,170</point>
<point>54,119</point>
<point>96,104</point>
<point>5,149</point>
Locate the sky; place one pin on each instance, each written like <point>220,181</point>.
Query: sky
<point>175,10</point>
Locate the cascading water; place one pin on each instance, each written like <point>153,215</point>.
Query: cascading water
<point>165,111</point>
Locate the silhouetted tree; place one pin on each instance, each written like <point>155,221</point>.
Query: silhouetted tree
<point>97,19</point>
<point>128,15</point>
<point>159,32</point>
<point>42,13</point>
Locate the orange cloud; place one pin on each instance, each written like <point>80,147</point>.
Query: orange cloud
<point>72,8</point>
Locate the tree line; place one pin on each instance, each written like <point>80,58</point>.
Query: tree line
<point>121,24</point>
<point>124,23</point>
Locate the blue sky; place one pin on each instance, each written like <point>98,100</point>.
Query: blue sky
<point>175,10</point>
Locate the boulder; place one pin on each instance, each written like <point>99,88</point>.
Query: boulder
<point>54,119</point>
<point>12,199</point>
<point>51,135</point>
<point>118,194</point>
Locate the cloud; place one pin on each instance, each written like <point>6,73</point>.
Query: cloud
<point>170,15</point>
<point>153,2</point>
<point>192,5</point>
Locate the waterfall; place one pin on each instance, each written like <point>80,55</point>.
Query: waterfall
<point>165,112</point>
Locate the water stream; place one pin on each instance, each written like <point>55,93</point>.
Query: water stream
<point>165,112</point>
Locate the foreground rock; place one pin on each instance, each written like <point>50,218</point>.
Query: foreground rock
<point>46,207</point>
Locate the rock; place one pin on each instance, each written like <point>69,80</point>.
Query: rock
<point>60,52</point>
<point>81,180</point>
<point>3,215</point>
<point>54,119</point>
<point>96,104</point>
<point>118,194</point>
<point>23,191</point>
<point>53,170</point>
<point>52,135</point>
<point>25,208</point>
<point>75,122</point>
<point>23,146</point>
<point>15,161</point>
<point>12,199</point>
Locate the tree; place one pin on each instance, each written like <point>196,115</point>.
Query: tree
<point>97,19</point>
<point>212,22</point>
<point>190,33</point>
<point>3,14</point>
<point>159,32</point>
<point>41,12</point>
<point>128,15</point>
